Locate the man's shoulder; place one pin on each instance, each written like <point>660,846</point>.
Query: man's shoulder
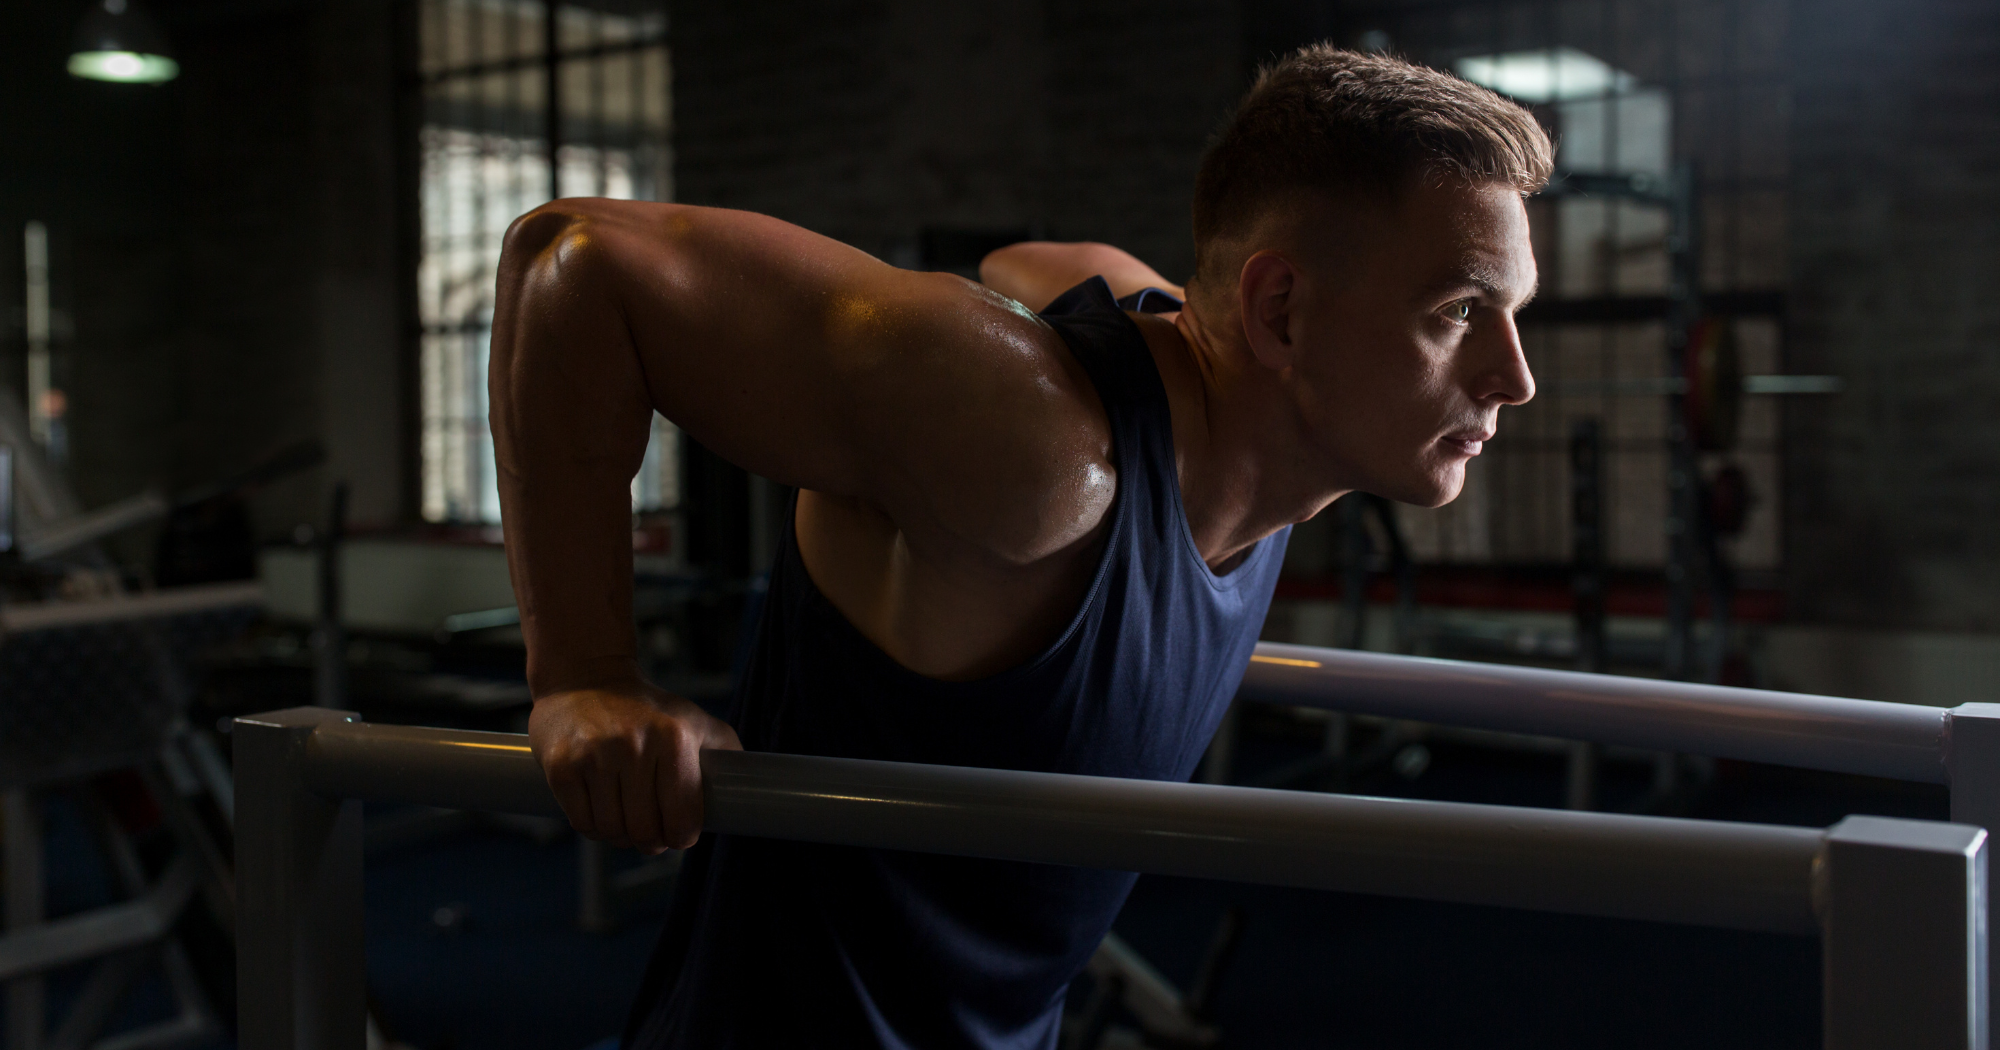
<point>1008,445</point>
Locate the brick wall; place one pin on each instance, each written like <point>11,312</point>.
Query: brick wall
<point>1895,485</point>
<point>1085,121</point>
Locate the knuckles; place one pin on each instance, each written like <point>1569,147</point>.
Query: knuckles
<point>579,747</point>
<point>618,746</point>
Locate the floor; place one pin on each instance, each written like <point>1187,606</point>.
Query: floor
<point>472,940</point>
<point>507,966</point>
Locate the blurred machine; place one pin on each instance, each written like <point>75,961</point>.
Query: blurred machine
<point>94,684</point>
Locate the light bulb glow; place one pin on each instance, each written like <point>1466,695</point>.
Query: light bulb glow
<point>123,67</point>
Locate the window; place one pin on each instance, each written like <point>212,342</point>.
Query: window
<point>521,103</point>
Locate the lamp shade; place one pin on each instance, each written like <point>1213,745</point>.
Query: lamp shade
<point>119,43</point>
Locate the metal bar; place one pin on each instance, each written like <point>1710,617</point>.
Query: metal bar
<point>1905,940</point>
<point>1901,904</point>
<point>101,931</point>
<point>1904,741</point>
<point>1732,875</point>
<point>446,768</point>
<point>300,968</point>
<point>173,601</point>
<point>56,537</point>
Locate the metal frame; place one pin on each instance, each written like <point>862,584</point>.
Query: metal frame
<point>78,705</point>
<point>121,941</point>
<point>1900,904</point>
<point>1958,747</point>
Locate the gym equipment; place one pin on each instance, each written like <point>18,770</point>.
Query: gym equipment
<point>1712,385</point>
<point>1706,387</point>
<point>70,528</point>
<point>1900,905</point>
<point>87,687</point>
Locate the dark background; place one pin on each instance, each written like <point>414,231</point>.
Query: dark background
<point>234,256</point>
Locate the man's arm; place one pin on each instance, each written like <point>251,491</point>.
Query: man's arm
<point>1033,273</point>
<point>787,353</point>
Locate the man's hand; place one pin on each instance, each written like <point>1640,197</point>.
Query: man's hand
<point>625,762</point>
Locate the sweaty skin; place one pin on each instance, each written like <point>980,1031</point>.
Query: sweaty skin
<point>1033,273</point>
<point>953,460</point>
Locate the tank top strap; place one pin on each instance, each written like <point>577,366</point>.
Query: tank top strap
<point>1120,365</point>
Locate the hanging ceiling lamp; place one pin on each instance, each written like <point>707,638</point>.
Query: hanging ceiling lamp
<point>118,43</point>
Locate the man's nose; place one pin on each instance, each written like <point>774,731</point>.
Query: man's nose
<point>1504,375</point>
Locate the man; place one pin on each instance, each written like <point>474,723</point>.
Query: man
<point>1026,541</point>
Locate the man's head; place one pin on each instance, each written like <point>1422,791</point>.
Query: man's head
<point>1359,222</point>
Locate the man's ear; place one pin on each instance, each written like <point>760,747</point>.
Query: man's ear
<point>1266,296</point>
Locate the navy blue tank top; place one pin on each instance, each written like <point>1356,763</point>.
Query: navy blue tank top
<point>780,944</point>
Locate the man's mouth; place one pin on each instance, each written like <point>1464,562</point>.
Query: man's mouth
<point>1468,442</point>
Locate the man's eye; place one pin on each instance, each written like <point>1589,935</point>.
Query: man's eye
<point>1460,311</point>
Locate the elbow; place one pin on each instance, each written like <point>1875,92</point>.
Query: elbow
<point>556,259</point>
<point>545,292</point>
<point>545,237</point>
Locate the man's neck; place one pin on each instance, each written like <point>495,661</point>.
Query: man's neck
<point>1244,468</point>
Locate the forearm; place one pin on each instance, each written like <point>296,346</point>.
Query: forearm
<point>570,416</point>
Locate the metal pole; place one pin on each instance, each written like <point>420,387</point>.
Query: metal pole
<point>1902,741</point>
<point>1707,873</point>
<point>1973,759</point>
<point>300,970</point>
<point>1733,875</point>
<point>1900,904</point>
<point>1904,905</point>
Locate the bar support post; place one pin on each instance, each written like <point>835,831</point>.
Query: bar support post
<point>1903,906</point>
<point>1972,768</point>
<point>300,972</point>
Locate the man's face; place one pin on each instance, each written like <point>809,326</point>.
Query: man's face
<point>1406,339</point>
